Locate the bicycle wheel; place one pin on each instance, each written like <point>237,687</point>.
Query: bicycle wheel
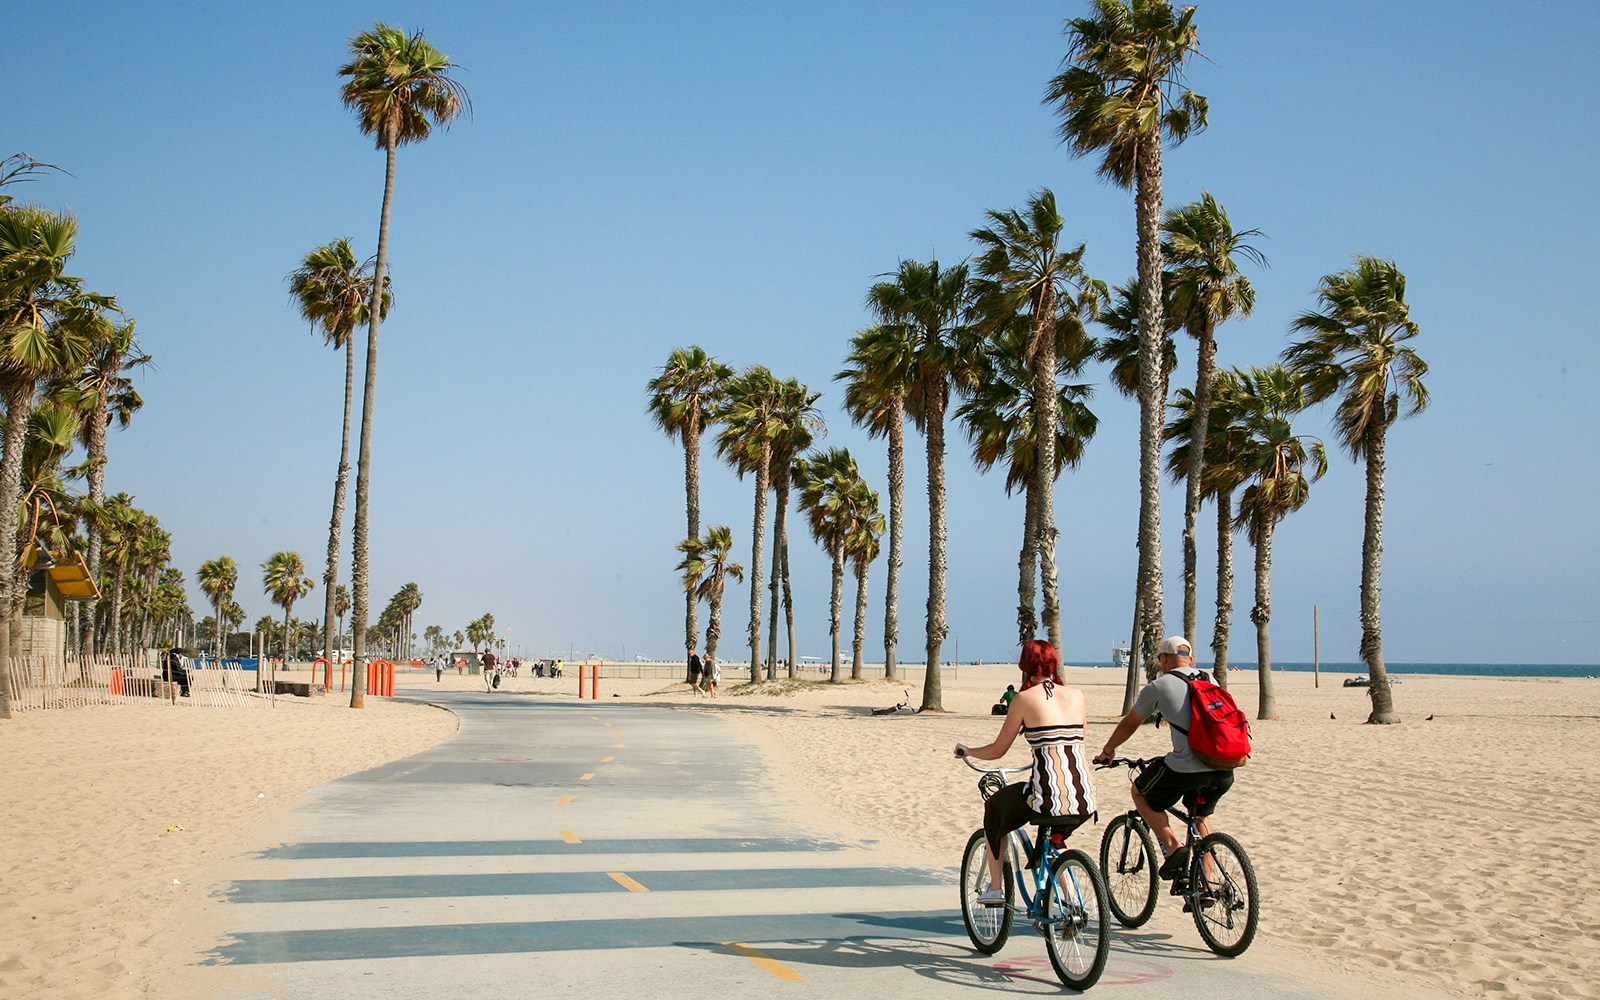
<point>1073,919</point>
<point>1128,863</point>
<point>987,926</point>
<point>1223,895</point>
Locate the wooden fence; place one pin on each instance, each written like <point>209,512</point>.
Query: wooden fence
<point>40,682</point>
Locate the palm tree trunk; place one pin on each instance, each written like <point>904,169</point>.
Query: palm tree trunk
<point>714,626</point>
<point>757,535</point>
<point>221,650</point>
<point>1028,565</point>
<point>1261,614</point>
<point>934,405</point>
<point>97,497</point>
<point>1205,380</point>
<point>330,577</point>
<point>788,602</point>
<point>1219,632</point>
<point>358,569</point>
<point>780,517</point>
<point>116,611</point>
<point>1152,395</point>
<point>859,636</point>
<point>19,404</point>
<point>836,609</point>
<point>897,504</point>
<point>691,493</point>
<point>1046,405</point>
<point>1383,711</point>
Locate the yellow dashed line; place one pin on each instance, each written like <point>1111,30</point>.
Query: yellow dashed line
<point>773,966</point>
<point>606,724</point>
<point>619,746</point>
<point>607,760</point>
<point>563,802</point>
<point>626,882</point>
<point>586,777</point>
<point>570,837</point>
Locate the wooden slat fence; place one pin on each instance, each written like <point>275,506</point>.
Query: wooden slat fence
<point>41,682</point>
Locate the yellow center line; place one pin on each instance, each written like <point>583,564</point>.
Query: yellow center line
<point>595,718</point>
<point>626,882</point>
<point>606,724</point>
<point>619,746</point>
<point>563,802</point>
<point>586,777</point>
<point>607,760</point>
<point>772,965</point>
<point>570,837</point>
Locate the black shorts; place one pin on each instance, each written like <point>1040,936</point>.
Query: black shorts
<point>1162,787</point>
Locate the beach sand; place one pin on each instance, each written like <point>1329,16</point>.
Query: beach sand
<point>1442,855</point>
<point>112,811</point>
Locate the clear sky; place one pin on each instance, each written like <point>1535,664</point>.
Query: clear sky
<point>643,176</point>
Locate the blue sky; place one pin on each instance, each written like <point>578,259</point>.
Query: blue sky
<point>638,177</point>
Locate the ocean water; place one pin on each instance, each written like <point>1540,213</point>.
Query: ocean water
<point>1448,669</point>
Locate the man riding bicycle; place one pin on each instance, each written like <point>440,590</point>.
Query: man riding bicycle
<point>1179,775</point>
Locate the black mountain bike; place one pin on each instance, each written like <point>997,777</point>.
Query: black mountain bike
<point>1217,884</point>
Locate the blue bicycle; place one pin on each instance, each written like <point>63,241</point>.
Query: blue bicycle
<point>1067,901</point>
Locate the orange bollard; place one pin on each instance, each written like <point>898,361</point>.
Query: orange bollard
<point>351,664</point>
<point>388,681</point>
<point>327,673</point>
<point>583,677</point>
<point>116,681</point>
<point>594,684</point>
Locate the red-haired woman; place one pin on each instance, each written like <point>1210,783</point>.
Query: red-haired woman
<point>1051,717</point>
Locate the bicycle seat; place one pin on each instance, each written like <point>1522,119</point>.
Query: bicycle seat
<point>1051,828</point>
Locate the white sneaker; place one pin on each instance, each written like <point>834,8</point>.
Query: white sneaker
<point>992,897</point>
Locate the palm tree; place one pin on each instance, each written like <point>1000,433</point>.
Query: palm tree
<point>682,398</point>
<point>1356,350</point>
<point>751,421</point>
<point>931,305</point>
<point>1121,349</point>
<point>1002,424</point>
<point>878,379</point>
<point>1121,95</point>
<point>1224,473</point>
<point>218,577</point>
<point>341,607</point>
<point>1275,459</point>
<point>334,291</point>
<point>705,569</point>
<point>43,330</point>
<point>862,547</point>
<point>285,580</point>
<point>1206,288</point>
<point>400,88</point>
<point>101,393</point>
<point>1024,270</point>
<point>798,424</point>
<point>838,504</point>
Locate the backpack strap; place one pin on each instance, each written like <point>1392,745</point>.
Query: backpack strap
<point>1188,682</point>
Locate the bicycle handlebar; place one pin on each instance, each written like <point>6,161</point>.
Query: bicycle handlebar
<point>1002,770</point>
<point>1138,762</point>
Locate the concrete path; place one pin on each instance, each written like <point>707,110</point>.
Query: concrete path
<point>568,848</point>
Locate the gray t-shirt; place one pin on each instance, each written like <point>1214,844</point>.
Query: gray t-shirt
<point>1169,695</point>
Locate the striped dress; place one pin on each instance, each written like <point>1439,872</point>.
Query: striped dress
<point>1059,785</point>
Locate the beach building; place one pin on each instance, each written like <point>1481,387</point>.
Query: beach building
<point>58,577</point>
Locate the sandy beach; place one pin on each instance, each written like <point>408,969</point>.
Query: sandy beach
<point>1444,853</point>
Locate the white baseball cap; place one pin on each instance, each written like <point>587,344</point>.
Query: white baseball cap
<point>1176,645</point>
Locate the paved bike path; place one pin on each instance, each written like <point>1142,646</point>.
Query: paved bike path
<point>561,847</point>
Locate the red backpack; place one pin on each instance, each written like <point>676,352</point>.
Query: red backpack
<point>1219,734</point>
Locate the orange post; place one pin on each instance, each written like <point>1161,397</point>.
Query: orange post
<point>583,677</point>
<point>327,673</point>
<point>594,684</point>
<point>116,681</point>
<point>388,681</point>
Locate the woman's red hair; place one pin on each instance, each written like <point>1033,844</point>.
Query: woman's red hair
<point>1039,661</point>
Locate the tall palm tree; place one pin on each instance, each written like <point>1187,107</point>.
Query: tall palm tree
<point>218,577</point>
<point>341,607</point>
<point>1002,424</point>
<point>933,306</point>
<point>400,88</point>
<point>799,424</point>
<point>683,396</point>
<point>1024,270</point>
<point>285,580</point>
<point>42,332</point>
<point>878,379</point>
<point>1206,288</point>
<point>1356,350</point>
<point>1122,95</point>
<point>333,290</point>
<point>706,568</point>
<point>102,393</point>
<point>837,503</point>
<point>1276,460</point>
<point>751,422</point>
<point>1226,439</point>
<point>862,547</point>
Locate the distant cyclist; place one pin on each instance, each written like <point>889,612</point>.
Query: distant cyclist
<point>1051,717</point>
<point>1178,775</point>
